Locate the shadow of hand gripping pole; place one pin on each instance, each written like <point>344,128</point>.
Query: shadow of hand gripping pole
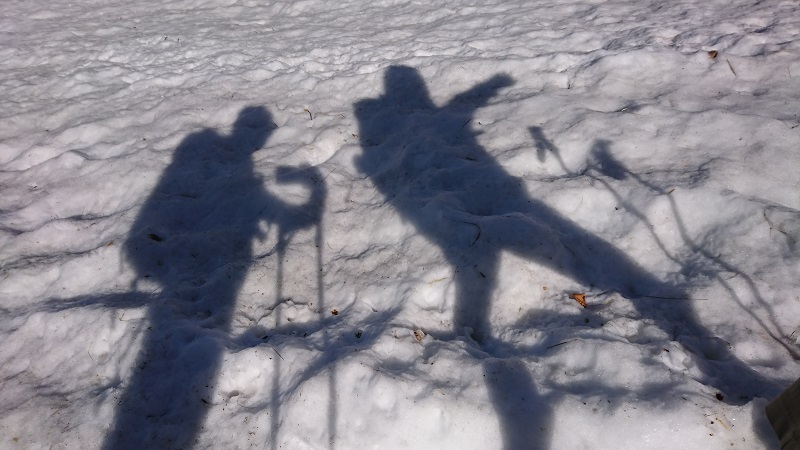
<point>193,239</point>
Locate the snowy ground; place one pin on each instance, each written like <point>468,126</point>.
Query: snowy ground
<point>358,224</point>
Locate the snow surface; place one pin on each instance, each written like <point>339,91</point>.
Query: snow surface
<point>358,224</point>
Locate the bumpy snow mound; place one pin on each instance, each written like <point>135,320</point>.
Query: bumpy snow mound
<point>308,224</point>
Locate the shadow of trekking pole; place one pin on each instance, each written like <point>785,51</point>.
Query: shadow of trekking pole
<point>292,220</point>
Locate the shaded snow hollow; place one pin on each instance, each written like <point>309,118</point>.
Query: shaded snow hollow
<point>319,225</point>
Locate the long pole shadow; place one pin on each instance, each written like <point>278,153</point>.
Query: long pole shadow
<point>606,164</point>
<point>426,161</point>
<point>288,225</point>
<point>675,313</point>
<point>193,239</point>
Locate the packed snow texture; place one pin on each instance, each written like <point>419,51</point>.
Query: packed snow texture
<point>361,224</point>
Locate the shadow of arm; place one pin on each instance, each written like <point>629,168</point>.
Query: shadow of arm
<point>480,94</point>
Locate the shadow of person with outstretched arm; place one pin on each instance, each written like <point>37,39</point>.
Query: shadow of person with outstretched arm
<point>427,163</point>
<point>192,241</point>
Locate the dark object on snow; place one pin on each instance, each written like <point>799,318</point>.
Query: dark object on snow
<point>193,238</point>
<point>427,162</point>
<point>784,416</point>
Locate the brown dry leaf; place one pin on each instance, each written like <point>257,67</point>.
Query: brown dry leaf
<point>580,298</point>
<point>419,335</point>
<point>713,54</point>
<point>335,312</point>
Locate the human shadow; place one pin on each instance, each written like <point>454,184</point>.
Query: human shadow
<point>426,162</point>
<point>193,240</point>
<point>429,166</point>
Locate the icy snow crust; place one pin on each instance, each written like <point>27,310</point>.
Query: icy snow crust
<point>358,224</point>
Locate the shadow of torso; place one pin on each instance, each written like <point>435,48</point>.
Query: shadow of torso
<point>193,239</point>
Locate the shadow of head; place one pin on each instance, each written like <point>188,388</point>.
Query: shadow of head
<point>404,88</point>
<point>251,129</point>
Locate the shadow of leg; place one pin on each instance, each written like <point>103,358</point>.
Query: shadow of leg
<point>524,415</point>
<point>170,390</point>
<point>475,281</point>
